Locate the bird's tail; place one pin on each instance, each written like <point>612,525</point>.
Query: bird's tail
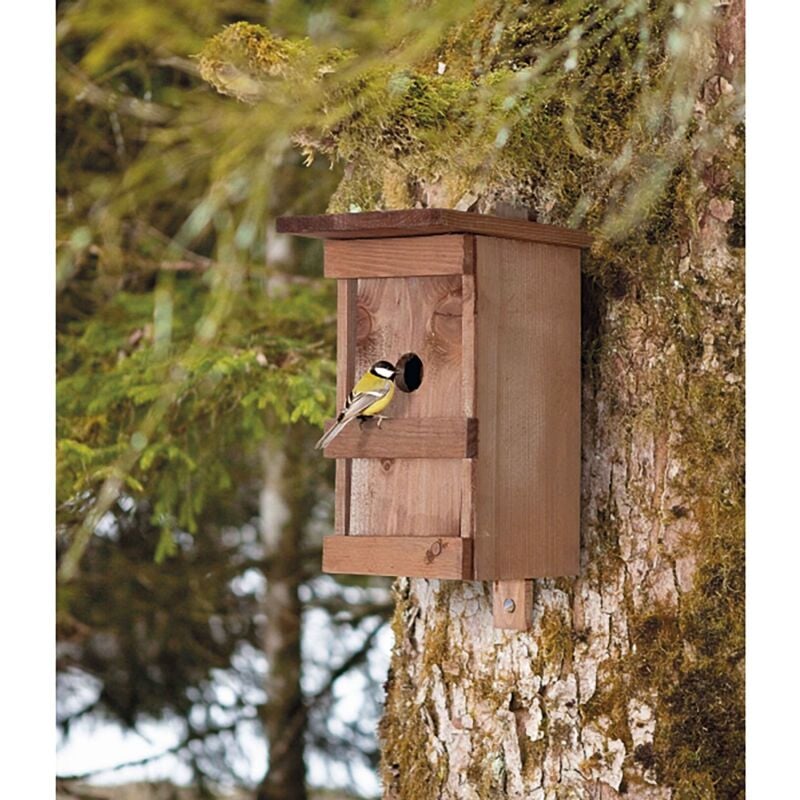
<point>330,435</point>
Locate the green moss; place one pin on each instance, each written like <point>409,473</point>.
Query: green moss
<point>408,762</point>
<point>532,752</point>
<point>608,706</point>
<point>735,186</point>
<point>686,661</point>
<point>438,642</point>
<point>702,733</point>
<point>555,641</point>
<point>404,759</point>
<point>692,658</point>
<point>602,541</point>
<point>486,772</point>
<point>243,59</point>
<point>690,662</point>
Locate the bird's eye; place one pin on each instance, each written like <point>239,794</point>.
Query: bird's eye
<point>409,372</point>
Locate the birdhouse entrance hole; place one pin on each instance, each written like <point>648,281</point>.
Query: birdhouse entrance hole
<point>409,372</point>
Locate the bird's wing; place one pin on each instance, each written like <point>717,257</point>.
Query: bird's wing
<point>361,401</point>
<point>357,403</point>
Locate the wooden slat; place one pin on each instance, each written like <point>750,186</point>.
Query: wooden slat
<point>468,396</point>
<point>447,437</point>
<point>519,616</point>
<point>399,257</point>
<point>345,377</point>
<point>528,361</point>
<point>427,221</point>
<point>447,558</point>
<point>468,492</point>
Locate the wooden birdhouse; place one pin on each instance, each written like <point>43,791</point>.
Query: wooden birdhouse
<point>475,473</point>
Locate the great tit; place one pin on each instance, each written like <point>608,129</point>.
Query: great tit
<point>371,394</point>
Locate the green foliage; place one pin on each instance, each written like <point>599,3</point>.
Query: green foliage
<point>142,628</point>
<point>175,342</point>
<point>271,367</point>
<point>188,334</point>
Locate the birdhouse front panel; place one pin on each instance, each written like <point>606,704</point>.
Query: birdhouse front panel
<point>394,316</point>
<point>474,473</point>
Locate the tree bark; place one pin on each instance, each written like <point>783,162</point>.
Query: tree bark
<point>630,682</point>
<point>285,506</point>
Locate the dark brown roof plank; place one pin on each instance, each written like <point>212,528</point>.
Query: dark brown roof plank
<point>426,222</point>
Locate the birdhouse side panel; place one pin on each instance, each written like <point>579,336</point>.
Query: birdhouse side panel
<point>422,315</point>
<point>528,408</point>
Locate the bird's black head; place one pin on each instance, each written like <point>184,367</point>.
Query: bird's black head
<point>383,369</point>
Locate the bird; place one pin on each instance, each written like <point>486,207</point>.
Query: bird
<point>371,394</point>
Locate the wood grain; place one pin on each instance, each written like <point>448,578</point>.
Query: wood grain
<point>427,221</point>
<point>432,437</point>
<point>468,401</point>
<point>346,291</point>
<point>411,496</point>
<point>399,257</point>
<point>468,376</point>
<point>528,407</point>
<point>422,557</point>
<point>469,473</point>
<point>520,593</point>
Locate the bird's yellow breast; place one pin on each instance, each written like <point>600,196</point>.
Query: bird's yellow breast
<point>379,405</point>
<point>370,383</point>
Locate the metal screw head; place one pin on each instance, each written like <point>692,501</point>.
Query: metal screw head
<point>509,605</point>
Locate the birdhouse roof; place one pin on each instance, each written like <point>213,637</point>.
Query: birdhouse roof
<point>426,222</point>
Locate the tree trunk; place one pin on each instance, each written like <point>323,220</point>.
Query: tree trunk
<point>630,682</point>
<point>285,508</point>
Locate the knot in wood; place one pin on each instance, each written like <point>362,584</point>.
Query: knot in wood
<point>363,323</point>
<point>433,551</point>
<point>444,327</point>
<point>386,463</point>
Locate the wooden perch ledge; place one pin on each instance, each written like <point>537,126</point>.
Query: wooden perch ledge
<point>446,437</point>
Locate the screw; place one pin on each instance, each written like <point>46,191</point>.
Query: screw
<point>509,605</point>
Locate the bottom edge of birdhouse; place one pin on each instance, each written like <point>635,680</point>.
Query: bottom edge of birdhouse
<point>443,557</point>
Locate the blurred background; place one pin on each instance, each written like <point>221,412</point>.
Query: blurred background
<point>198,645</point>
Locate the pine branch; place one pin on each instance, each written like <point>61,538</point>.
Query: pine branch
<point>354,659</point>
<point>89,92</point>
<point>194,736</point>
